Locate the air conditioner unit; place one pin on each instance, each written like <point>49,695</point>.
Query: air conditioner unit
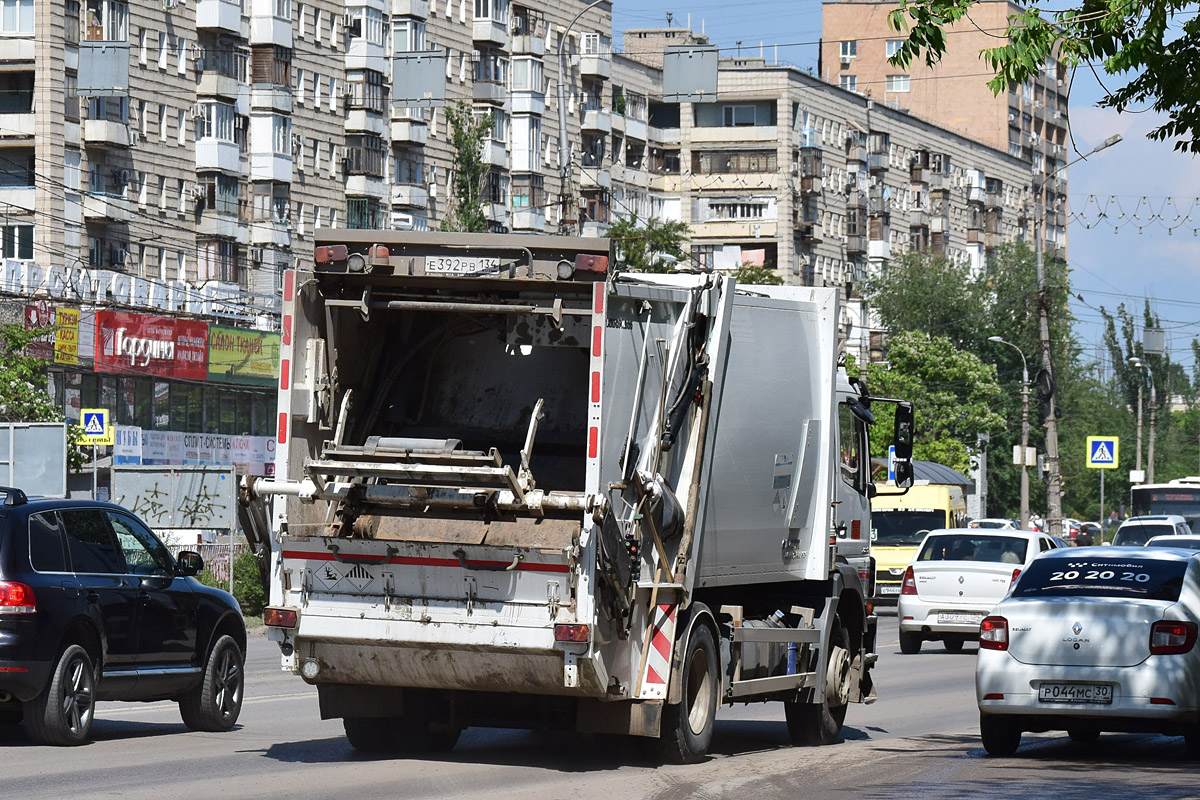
<point>297,141</point>
<point>122,257</point>
<point>197,111</point>
<point>169,4</point>
<point>347,91</point>
<point>197,50</point>
<point>199,191</point>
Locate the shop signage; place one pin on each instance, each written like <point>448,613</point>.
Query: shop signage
<point>143,344</point>
<point>66,336</point>
<point>236,355</point>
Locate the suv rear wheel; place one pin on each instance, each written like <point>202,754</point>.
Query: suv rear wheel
<point>63,713</point>
<point>216,702</point>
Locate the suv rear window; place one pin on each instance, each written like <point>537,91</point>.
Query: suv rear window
<point>978,547</point>
<point>1138,535</point>
<point>1148,578</point>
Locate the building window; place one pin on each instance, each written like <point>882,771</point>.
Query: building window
<point>16,93</point>
<point>17,168</point>
<point>527,22</point>
<point>897,83</point>
<point>596,44</point>
<point>365,23</point>
<point>364,155</point>
<point>362,213</point>
<point>366,90</point>
<point>17,241</point>
<point>283,9</point>
<point>216,121</point>
<point>849,49</point>
<point>734,210</point>
<point>281,134</point>
<point>217,260</point>
<point>408,35</point>
<point>270,201</point>
<point>848,82</point>
<point>220,192</point>
<point>495,10</point>
<point>718,162</point>
<point>704,255</point>
<point>739,116</point>
<point>16,17</point>
<point>107,21</point>
<point>893,46</point>
<point>491,67</point>
<point>528,75</point>
<point>528,191</point>
<point>664,162</point>
<point>70,21</point>
<point>271,64</point>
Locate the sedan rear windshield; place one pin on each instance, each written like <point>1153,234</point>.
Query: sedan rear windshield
<point>1149,578</point>
<point>974,547</point>
<point>1137,535</point>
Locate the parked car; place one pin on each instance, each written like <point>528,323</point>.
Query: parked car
<point>1091,640</point>
<point>1182,542</point>
<point>93,607</point>
<point>957,577</point>
<point>1003,524</point>
<point>1071,528</point>
<point>1139,530</point>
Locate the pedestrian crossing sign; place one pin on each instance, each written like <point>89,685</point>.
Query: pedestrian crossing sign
<point>96,426</point>
<point>1103,452</point>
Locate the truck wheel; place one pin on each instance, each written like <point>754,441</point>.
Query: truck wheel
<point>1001,737</point>
<point>421,729</point>
<point>215,703</point>
<point>63,713</point>
<point>821,723</point>
<point>687,726</point>
<point>910,643</point>
<point>369,734</point>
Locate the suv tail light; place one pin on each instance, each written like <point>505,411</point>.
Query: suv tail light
<point>16,598</point>
<point>993,633</point>
<point>1170,638</point>
<point>909,586</point>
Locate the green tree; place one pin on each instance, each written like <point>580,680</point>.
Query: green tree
<point>468,133</point>
<point>651,246</point>
<point>927,293</point>
<point>954,391</point>
<point>758,276</point>
<point>1151,45</point>
<point>23,395</point>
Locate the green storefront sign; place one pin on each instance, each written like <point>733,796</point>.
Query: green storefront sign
<point>236,355</point>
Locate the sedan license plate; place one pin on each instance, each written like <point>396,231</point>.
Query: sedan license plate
<point>1097,693</point>
<point>958,617</point>
<point>461,265</point>
<point>889,588</point>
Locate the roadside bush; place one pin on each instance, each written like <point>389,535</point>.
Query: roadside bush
<point>247,588</point>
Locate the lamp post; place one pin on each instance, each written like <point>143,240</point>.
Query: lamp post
<point>1050,423</point>
<point>1024,430</point>
<point>1137,362</point>
<point>564,148</point>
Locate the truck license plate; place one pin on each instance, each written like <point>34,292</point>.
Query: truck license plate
<point>888,588</point>
<point>958,617</point>
<point>1097,693</point>
<point>461,265</point>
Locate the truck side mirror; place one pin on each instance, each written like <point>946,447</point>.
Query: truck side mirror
<point>904,474</point>
<point>903,438</point>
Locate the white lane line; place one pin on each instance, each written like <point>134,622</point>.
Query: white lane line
<point>169,706</point>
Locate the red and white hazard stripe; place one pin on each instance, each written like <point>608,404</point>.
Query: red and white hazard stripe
<point>658,660</point>
<point>595,381</point>
<point>287,348</point>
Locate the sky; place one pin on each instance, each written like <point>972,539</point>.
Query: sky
<point>1136,185</point>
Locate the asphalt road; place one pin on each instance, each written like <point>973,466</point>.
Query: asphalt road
<point>920,740</point>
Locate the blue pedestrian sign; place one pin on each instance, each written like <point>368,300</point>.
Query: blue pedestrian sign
<point>1103,452</point>
<point>96,426</point>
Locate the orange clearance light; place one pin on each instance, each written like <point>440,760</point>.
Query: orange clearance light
<point>279,617</point>
<point>591,263</point>
<point>573,632</point>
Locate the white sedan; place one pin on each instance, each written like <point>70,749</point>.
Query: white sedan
<point>1093,639</point>
<point>957,577</point>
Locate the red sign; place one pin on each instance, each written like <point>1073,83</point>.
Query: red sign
<point>141,344</point>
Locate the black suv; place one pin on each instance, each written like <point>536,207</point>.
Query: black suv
<point>94,607</point>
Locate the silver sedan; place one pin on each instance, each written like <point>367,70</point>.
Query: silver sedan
<point>1093,639</point>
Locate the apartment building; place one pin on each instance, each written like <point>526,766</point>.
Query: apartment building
<point>1029,121</point>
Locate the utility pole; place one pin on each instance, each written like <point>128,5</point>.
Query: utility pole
<point>1050,422</point>
<point>566,196</point>
<point>1137,362</point>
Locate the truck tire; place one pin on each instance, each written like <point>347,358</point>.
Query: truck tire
<point>63,713</point>
<point>687,726</point>
<point>369,734</point>
<point>821,723</point>
<point>216,702</point>
<point>421,729</point>
<point>910,643</point>
<point>1001,737</point>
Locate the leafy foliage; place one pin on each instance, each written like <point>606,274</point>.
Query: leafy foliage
<point>1153,44</point>
<point>758,275</point>
<point>641,246</point>
<point>468,133</point>
<point>247,584</point>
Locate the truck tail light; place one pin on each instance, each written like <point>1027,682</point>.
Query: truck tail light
<point>328,254</point>
<point>279,617</point>
<point>1170,638</point>
<point>993,633</point>
<point>16,598</point>
<point>909,586</point>
<point>591,263</point>
<point>571,633</point>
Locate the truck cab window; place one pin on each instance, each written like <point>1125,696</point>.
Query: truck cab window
<point>850,441</point>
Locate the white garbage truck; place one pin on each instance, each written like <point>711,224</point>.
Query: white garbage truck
<point>517,486</point>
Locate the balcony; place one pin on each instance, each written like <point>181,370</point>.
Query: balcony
<point>216,84</point>
<point>811,184</point>
<point>529,219</point>
<point>879,249</point>
<point>366,186</point>
<point>662,135</point>
<point>596,65</point>
<point>856,245</point>
<point>268,98</point>
<point>105,133</point>
<point>274,233</point>
<point>918,218</point>
<point>409,129</point>
<point>410,8</point>
<point>490,92</point>
<point>211,223</point>
<point>594,178</point>
<point>741,134</point>
<point>99,207</point>
<point>596,119</point>
<point>13,48</point>
<point>361,54</point>
<point>408,195</point>
<point>595,230</point>
<point>527,44</point>
<point>976,194</point>
<point>365,120</point>
<point>495,153</point>
<point>528,103</point>
<point>877,162</point>
<point>17,126</point>
<point>270,167</point>
<point>855,152</point>
<point>265,27</point>
<point>492,31</point>
<point>218,155</point>
<point>220,15</point>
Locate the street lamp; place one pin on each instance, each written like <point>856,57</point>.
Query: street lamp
<point>1139,364</point>
<point>1024,431</point>
<point>564,149</point>
<point>1050,423</point>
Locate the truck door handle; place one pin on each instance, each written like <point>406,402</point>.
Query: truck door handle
<point>461,555</point>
